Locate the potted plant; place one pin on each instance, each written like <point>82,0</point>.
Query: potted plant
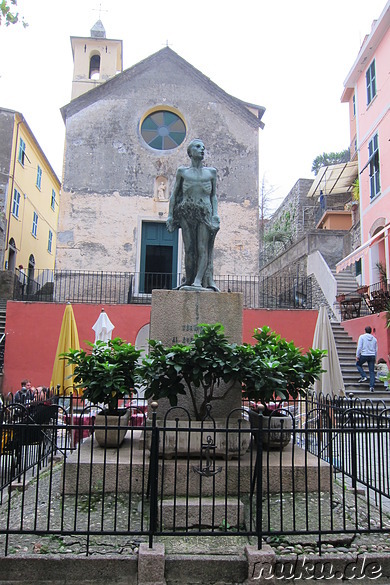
<point>270,370</point>
<point>277,371</point>
<point>107,374</point>
<point>205,370</point>
<point>196,369</point>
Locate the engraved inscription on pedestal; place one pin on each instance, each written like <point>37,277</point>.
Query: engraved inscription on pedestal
<point>176,316</point>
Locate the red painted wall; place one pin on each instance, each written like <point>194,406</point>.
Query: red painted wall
<point>32,331</point>
<point>294,325</point>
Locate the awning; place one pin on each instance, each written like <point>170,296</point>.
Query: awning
<point>334,179</point>
<point>372,157</point>
<point>363,249</point>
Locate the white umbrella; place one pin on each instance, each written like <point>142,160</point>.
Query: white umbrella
<point>331,381</point>
<point>103,327</point>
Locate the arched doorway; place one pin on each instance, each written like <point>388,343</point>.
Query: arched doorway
<point>11,255</point>
<point>31,285</point>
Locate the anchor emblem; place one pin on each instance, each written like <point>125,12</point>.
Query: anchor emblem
<point>209,469</point>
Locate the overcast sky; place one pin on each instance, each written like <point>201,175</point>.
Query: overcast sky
<point>290,57</point>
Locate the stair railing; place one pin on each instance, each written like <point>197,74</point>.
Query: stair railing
<point>316,265</point>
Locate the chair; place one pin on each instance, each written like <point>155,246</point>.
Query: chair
<point>380,300</point>
<point>29,426</point>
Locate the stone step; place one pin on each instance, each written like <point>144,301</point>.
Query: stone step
<point>345,344</point>
<point>346,350</point>
<point>350,372</point>
<point>341,333</point>
<point>379,395</point>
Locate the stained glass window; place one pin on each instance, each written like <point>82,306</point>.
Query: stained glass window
<point>163,130</point>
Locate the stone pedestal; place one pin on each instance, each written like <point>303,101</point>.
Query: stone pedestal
<point>175,318</point>
<point>89,466</point>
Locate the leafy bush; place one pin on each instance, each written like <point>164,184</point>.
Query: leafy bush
<point>272,368</point>
<point>107,373</point>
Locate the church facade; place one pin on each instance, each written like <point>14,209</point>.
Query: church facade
<point>126,135</point>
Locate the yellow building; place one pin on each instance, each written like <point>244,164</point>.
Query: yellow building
<point>29,198</point>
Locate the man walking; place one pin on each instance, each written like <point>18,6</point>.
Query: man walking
<point>366,352</point>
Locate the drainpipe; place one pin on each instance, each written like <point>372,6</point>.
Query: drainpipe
<point>12,188</point>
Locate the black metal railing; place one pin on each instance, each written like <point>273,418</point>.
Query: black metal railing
<point>178,477</point>
<point>366,300</point>
<point>135,288</point>
<point>326,205</point>
<point>28,437</point>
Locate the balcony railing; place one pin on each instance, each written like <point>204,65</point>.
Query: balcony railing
<point>136,287</point>
<point>325,205</point>
<point>366,300</point>
<point>377,296</point>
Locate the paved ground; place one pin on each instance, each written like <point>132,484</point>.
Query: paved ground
<point>289,512</point>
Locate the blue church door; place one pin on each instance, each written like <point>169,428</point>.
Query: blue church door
<point>158,257</point>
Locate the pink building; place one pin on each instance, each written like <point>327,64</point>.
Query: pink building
<point>367,91</point>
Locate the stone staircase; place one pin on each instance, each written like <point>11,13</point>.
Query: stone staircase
<point>346,350</point>
<point>346,282</point>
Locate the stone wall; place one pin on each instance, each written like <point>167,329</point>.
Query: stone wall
<point>7,283</point>
<point>293,218</point>
<point>294,259</point>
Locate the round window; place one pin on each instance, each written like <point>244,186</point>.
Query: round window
<point>163,130</point>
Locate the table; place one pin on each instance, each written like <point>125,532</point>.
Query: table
<point>85,423</point>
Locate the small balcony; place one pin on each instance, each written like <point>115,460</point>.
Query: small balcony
<point>331,214</point>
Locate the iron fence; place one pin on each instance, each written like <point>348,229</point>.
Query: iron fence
<point>136,288</point>
<point>179,477</point>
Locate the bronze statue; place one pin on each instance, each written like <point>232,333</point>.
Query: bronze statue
<point>193,207</point>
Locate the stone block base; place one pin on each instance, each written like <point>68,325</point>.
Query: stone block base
<point>127,473</point>
<point>261,565</point>
<point>151,564</point>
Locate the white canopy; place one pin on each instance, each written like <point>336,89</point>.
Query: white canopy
<point>103,327</point>
<point>331,381</point>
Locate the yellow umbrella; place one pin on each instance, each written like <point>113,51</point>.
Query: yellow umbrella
<point>69,339</point>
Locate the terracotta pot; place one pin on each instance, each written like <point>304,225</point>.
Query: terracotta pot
<point>111,438</point>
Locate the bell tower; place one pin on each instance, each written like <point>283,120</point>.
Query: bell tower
<point>95,59</point>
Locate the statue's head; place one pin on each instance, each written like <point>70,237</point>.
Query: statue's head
<point>195,144</point>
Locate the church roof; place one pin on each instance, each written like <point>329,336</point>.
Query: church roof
<point>251,112</point>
